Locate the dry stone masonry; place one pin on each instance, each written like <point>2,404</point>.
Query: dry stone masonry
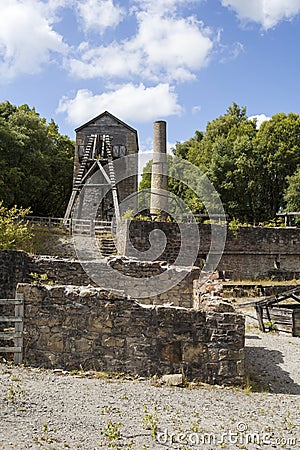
<point>250,253</point>
<point>73,327</point>
<point>84,327</point>
<point>13,269</point>
<point>18,266</point>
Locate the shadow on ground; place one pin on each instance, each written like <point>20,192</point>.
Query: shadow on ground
<point>265,374</point>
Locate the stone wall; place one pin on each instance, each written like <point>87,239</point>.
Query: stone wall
<point>17,266</point>
<point>73,327</point>
<point>66,271</point>
<point>58,270</point>
<point>252,252</point>
<point>13,269</point>
<point>181,294</point>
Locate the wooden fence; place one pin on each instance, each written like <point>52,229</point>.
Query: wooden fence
<point>84,226</point>
<point>18,320</point>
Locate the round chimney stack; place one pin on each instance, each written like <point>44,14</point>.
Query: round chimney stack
<point>159,178</point>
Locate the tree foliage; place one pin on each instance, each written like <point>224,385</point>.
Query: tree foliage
<point>253,170</point>
<point>292,192</point>
<point>180,177</point>
<point>278,150</point>
<point>14,231</point>
<point>36,161</point>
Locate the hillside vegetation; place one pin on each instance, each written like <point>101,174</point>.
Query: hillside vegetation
<point>36,162</point>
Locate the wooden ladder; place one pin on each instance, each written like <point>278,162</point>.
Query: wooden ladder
<point>17,335</point>
<point>84,172</point>
<point>88,154</point>
<point>112,175</point>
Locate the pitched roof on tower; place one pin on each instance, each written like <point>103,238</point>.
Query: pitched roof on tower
<point>105,113</point>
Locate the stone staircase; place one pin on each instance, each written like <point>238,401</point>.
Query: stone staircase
<point>106,243</point>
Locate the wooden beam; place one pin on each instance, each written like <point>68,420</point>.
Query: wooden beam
<point>19,326</point>
<point>16,350</point>
<point>259,312</point>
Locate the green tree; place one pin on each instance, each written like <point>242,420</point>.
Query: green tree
<point>179,178</point>
<point>14,231</point>
<point>248,167</point>
<point>226,126</point>
<point>233,169</point>
<point>252,170</point>
<point>278,150</point>
<point>292,192</point>
<point>186,149</point>
<point>225,152</point>
<point>36,161</point>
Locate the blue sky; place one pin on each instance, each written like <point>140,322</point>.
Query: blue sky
<point>182,61</point>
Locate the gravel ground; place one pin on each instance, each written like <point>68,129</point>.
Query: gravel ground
<point>42,409</point>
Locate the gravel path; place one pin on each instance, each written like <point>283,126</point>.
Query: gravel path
<point>42,409</point>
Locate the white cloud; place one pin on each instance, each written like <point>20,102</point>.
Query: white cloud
<point>164,49</point>
<point>260,118</point>
<point>230,53</point>
<point>196,109</point>
<point>175,47</point>
<point>162,7</point>
<point>99,14</point>
<point>129,102</point>
<point>27,38</point>
<point>112,61</point>
<point>266,12</point>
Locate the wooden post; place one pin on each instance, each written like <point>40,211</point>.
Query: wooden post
<point>259,312</point>
<point>92,227</point>
<point>19,312</point>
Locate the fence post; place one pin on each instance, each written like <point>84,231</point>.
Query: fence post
<point>19,326</point>
<point>92,227</point>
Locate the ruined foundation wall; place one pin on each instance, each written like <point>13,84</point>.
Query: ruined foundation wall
<point>77,327</point>
<point>66,271</point>
<point>16,267</point>
<point>252,252</point>
<point>13,270</point>
<point>58,270</point>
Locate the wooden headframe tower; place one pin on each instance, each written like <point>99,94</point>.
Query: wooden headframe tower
<point>99,143</point>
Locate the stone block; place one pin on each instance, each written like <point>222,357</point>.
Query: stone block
<point>227,369</point>
<point>170,351</point>
<point>54,344</point>
<point>194,353</point>
<point>175,379</point>
<point>82,345</point>
<point>240,368</point>
<point>98,324</point>
<point>113,341</point>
